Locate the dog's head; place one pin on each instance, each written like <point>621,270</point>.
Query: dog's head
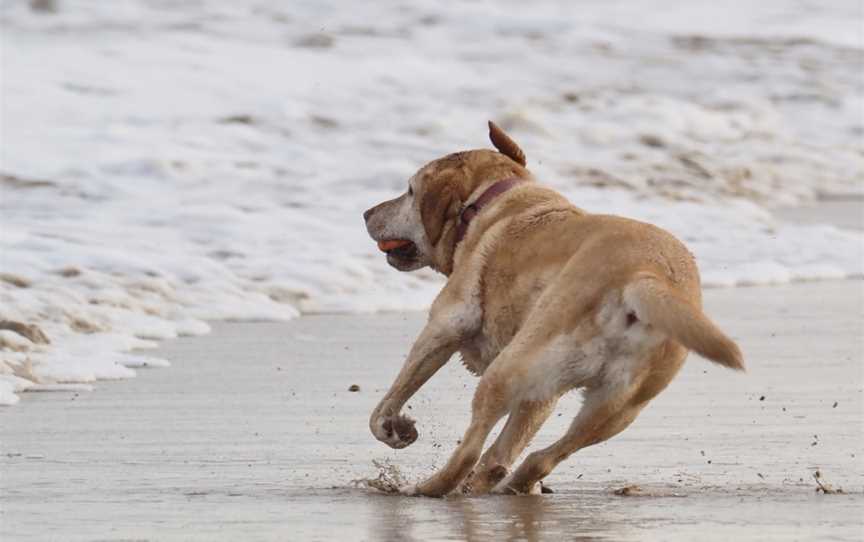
<point>418,228</point>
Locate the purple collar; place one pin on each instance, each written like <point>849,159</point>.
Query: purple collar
<point>469,212</point>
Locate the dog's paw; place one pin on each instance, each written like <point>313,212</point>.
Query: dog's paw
<point>409,490</point>
<point>395,431</point>
<point>509,487</point>
<point>482,482</point>
<point>467,485</point>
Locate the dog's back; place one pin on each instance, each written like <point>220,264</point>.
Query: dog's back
<point>550,243</point>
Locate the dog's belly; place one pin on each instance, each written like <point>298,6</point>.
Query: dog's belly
<point>477,353</point>
<point>505,314</point>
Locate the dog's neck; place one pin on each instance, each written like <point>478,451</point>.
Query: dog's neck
<point>489,195</point>
<point>446,248</point>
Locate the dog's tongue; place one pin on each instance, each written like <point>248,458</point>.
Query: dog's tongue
<point>392,244</point>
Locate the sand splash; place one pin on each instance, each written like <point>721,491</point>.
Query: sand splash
<point>389,480</point>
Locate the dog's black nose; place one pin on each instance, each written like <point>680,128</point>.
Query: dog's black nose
<point>367,213</point>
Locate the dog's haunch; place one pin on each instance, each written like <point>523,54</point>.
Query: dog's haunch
<point>404,429</point>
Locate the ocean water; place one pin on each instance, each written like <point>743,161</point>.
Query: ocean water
<point>166,163</point>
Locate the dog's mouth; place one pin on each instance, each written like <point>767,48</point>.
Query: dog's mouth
<point>401,248</point>
<point>400,252</point>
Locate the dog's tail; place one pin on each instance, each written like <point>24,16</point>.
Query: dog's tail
<point>655,304</point>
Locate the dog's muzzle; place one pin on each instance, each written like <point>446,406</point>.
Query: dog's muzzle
<point>402,254</point>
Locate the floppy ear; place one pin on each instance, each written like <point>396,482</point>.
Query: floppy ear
<point>436,207</point>
<point>505,145</point>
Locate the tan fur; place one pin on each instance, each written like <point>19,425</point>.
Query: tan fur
<point>541,298</point>
<point>505,145</point>
<point>658,304</point>
<point>436,209</point>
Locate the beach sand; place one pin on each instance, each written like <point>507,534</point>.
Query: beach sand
<point>252,434</point>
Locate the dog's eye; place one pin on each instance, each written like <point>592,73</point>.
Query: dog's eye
<point>410,191</point>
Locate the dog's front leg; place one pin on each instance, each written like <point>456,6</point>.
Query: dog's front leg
<point>436,343</point>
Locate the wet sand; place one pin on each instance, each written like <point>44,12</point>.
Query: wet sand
<point>253,435</point>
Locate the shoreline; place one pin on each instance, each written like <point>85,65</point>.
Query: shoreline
<point>840,211</point>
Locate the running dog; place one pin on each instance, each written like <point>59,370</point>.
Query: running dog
<point>541,298</point>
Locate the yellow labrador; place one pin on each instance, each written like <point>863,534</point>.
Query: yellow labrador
<point>541,298</point>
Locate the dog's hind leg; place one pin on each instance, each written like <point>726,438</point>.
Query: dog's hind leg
<point>607,410</point>
<point>604,414</point>
<point>522,424</point>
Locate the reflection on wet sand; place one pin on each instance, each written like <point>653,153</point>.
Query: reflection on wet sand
<point>526,518</point>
